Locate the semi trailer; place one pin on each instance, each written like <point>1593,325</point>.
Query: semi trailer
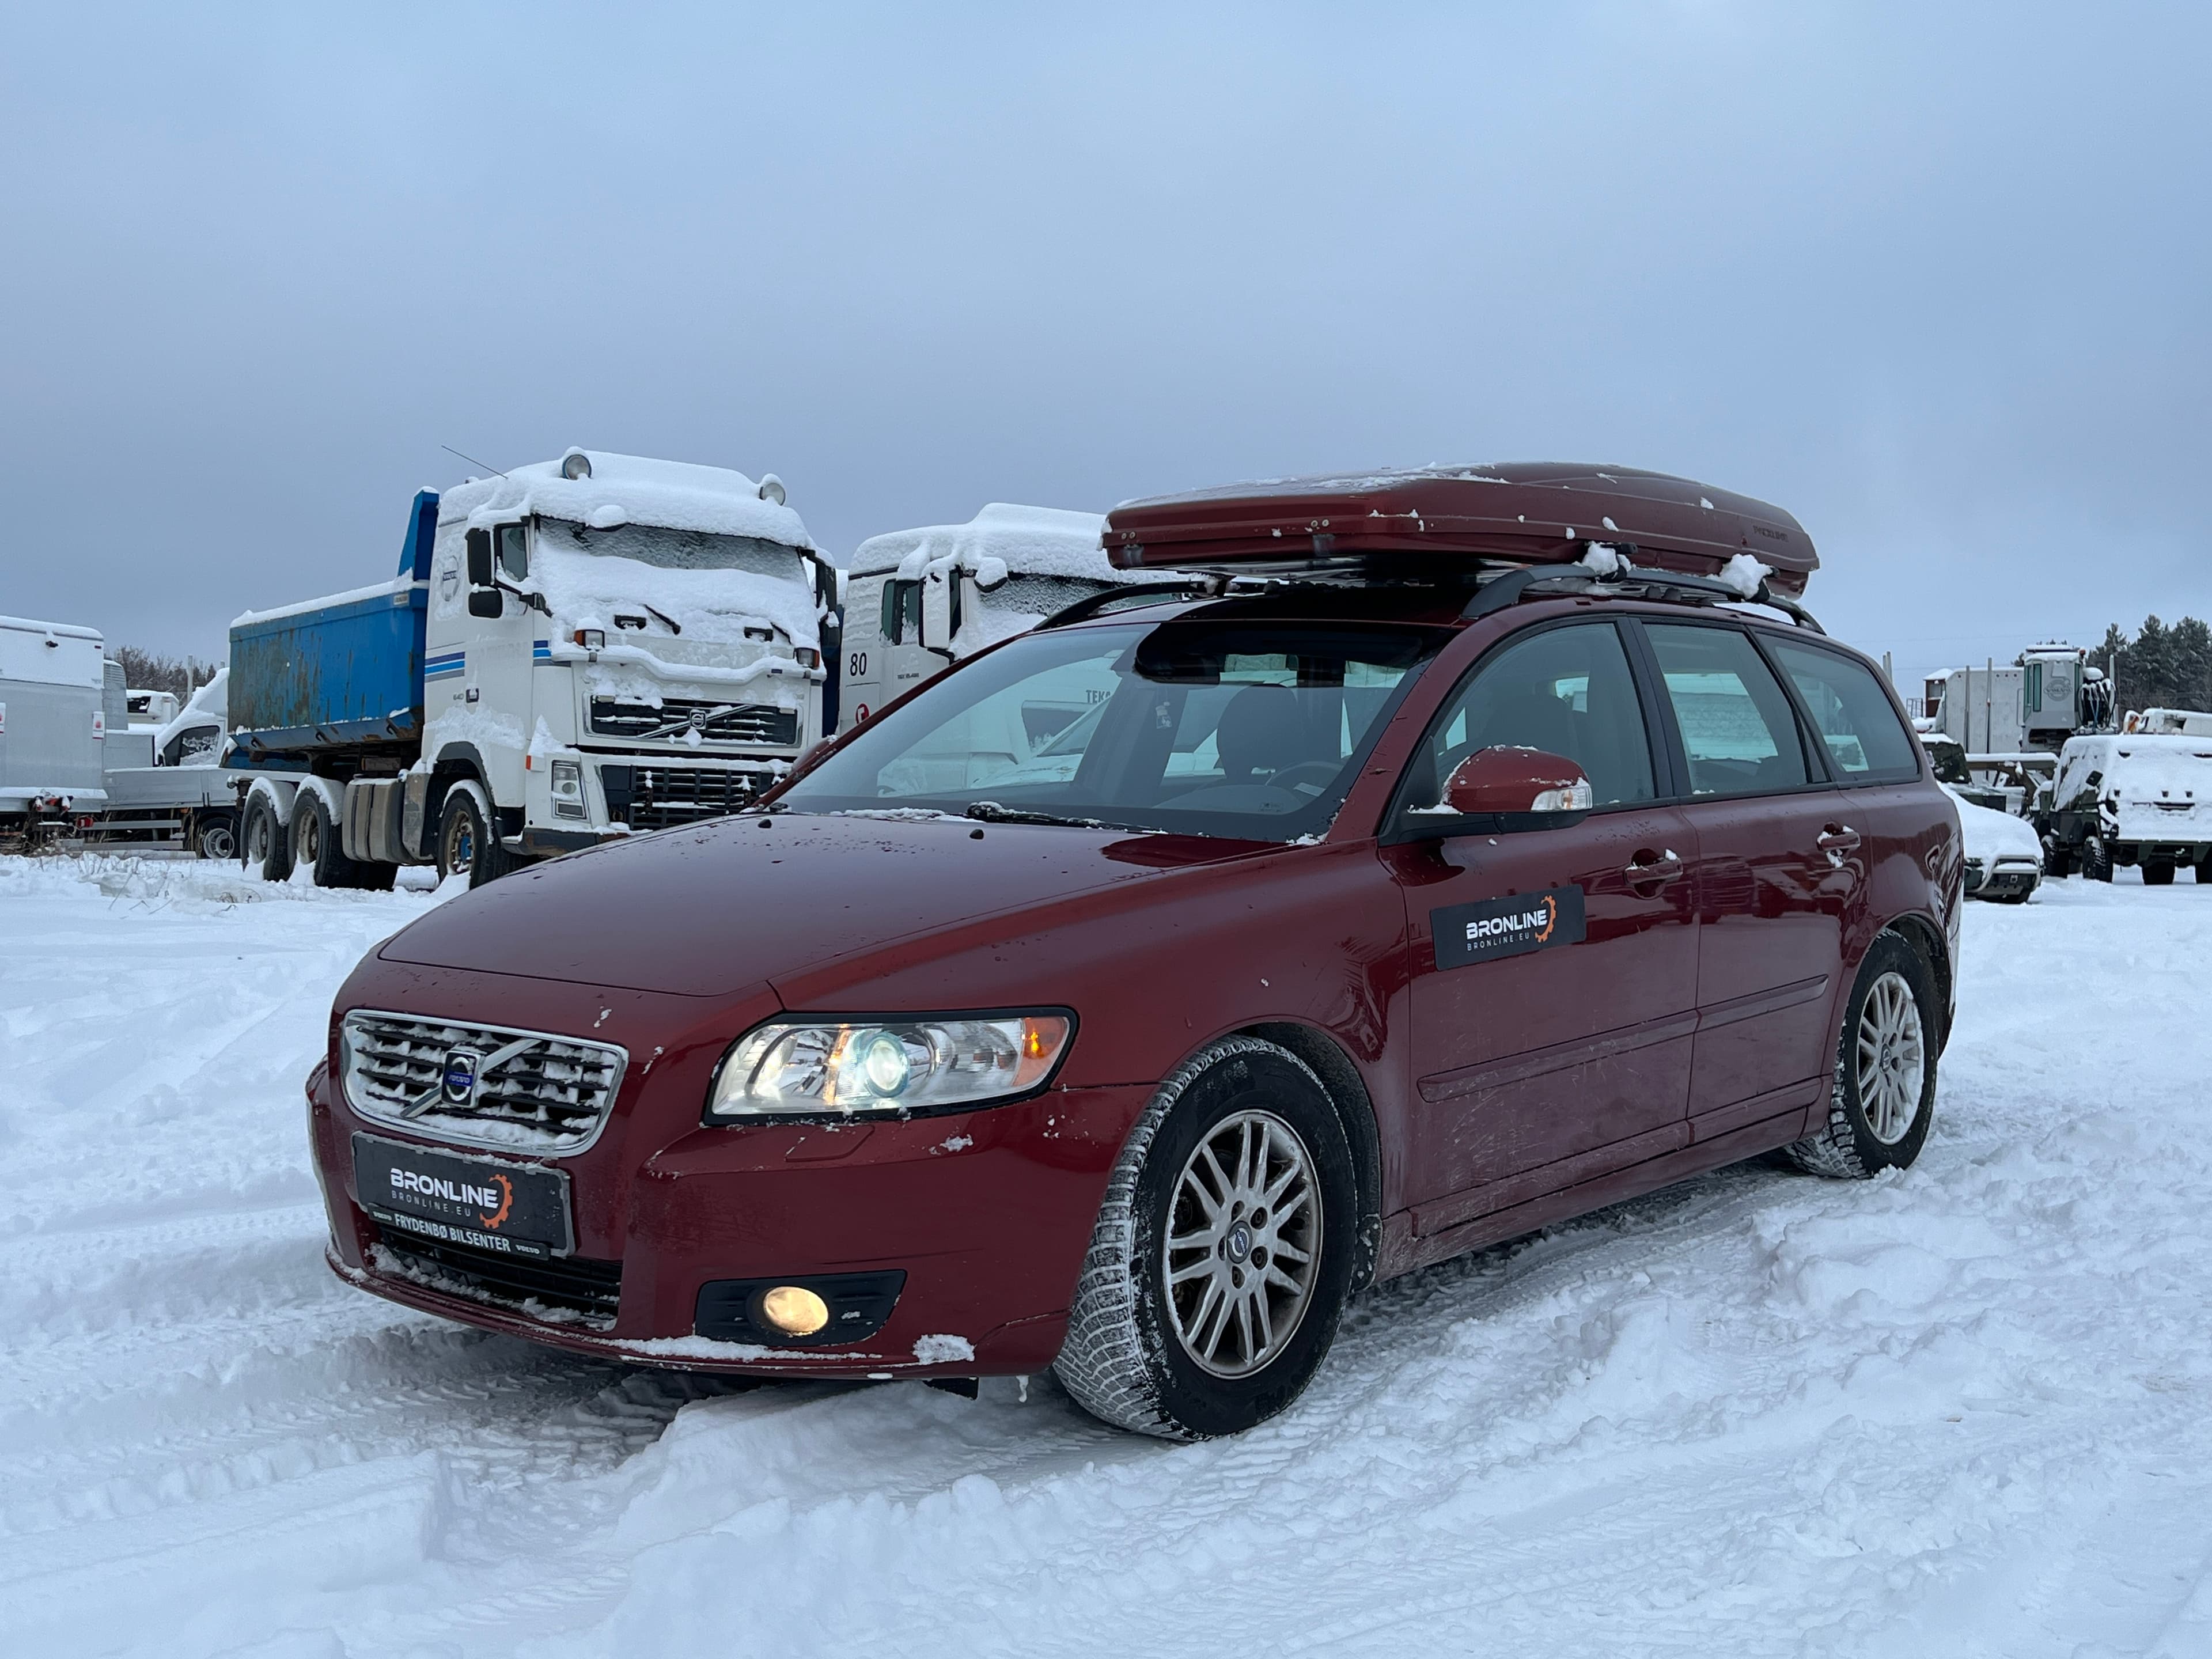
<point>581,649</point>
<point>53,724</point>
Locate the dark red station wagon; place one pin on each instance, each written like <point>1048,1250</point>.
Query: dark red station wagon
<point>1455,851</point>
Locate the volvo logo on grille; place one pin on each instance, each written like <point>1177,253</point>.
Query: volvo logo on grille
<point>458,1082</point>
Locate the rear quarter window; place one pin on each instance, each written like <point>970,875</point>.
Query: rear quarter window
<point>1855,722</point>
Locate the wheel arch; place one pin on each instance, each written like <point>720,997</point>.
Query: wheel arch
<point>1927,940</point>
<point>1347,1093</point>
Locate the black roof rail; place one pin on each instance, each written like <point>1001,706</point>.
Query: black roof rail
<point>1091,604</point>
<point>1628,581</point>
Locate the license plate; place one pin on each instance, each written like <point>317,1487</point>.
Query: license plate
<point>515,1209</point>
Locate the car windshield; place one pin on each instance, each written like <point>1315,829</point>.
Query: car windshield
<point>675,550</point>
<point>1246,729</point>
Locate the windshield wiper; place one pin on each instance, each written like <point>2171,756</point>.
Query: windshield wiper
<point>989,812</point>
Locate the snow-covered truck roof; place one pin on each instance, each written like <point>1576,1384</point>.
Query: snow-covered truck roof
<point>1529,511</point>
<point>605,490</point>
<point>1029,541</point>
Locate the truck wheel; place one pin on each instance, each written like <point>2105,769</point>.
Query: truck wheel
<point>2096,858</point>
<point>216,837</point>
<point>2158,874</point>
<point>2057,858</point>
<point>2205,871</point>
<point>466,839</point>
<point>1883,1096</point>
<point>315,844</point>
<point>267,849</point>
<point>1222,1254</point>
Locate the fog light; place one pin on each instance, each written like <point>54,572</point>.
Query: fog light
<point>794,1309</point>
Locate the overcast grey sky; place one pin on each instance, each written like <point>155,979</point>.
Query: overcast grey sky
<point>1935,277</point>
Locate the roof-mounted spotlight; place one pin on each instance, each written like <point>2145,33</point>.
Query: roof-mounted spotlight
<point>771,489</point>
<point>575,465</point>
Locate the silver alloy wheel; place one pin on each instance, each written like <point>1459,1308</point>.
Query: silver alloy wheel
<point>1242,1243</point>
<point>1892,1059</point>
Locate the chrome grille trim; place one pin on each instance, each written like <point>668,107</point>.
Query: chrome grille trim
<point>555,1097</point>
<point>717,722</point>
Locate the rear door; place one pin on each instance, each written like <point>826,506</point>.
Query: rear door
<point>1778,875</point>
<point>1554,971</point>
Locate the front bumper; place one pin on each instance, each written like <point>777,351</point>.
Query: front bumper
<point>988,1215</point>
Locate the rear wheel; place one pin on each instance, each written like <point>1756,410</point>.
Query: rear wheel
<point>2204,870</point>
<point>467,841</point>
<point>268,848</point>
<point>316,847</point>
<point>1223,1252</point>
<point>1883,1095</point>
<point>2096,858</point>
<point>2057,858</point>
<point>2158,874</point>
<point>215,836</point>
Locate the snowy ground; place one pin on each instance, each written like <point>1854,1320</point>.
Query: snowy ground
<point>1965,1411</point>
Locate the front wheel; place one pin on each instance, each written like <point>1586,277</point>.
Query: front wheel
<point>1223,1252</point>
<point>1883,1095</point>
<point>2096,858</point>
<point>466,839</point>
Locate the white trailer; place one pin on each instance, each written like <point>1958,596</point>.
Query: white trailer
<point>53,723</point>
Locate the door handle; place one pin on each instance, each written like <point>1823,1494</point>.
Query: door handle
<point>1649,870</point>
<point>1837,840</point>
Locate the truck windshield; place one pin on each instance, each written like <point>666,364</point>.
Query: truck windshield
<point>675,550</point>
<point>1248,730</point>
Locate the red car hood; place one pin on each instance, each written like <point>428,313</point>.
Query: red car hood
<point>709,909</point>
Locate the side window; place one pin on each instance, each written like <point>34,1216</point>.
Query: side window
<point>902,617</point>
<point>512,544</point>
<point>1738,730</point>
<point>891,617</point>
<point>1865,741</point>
<point>1567,691</point>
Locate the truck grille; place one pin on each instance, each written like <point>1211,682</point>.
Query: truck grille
<point>551,1095</point>
<point>658,797</point>
<point>718,722</point>
<point>591,1289</point>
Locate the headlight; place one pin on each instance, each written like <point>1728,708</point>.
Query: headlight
<point>885,1068</point>
<point>569,788</point>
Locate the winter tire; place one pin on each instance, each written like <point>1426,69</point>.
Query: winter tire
<point>216,837</point>
<point>2096,858</point>
<point>1223,1252</point>
<point>1883,1096</point>
<point>2205,871</point>
<point>466,839</point>
<point>266,847</point>
<point>315,844</point>
<point>2057,858</point>
<point>2160,874</point>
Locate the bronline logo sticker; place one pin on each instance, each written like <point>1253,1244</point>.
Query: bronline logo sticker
<point>495,1202</point>
<point>1509,927</point>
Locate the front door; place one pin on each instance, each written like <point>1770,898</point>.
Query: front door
<point>1554,973</point>
<point>1777,871</point>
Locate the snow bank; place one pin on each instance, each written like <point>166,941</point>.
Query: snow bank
<point>674,495</point>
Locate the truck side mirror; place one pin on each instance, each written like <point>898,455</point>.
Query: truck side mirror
<point>487,602</point>
<point>937,612</point>
<point>479,565</point>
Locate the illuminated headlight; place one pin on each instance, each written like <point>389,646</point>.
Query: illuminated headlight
<point>569,789</point>
<point>888,1068</point>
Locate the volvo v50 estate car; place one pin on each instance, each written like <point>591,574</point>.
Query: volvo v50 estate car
<point>1449,855</point>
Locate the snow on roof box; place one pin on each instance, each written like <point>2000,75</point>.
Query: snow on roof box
<point>1530,512</point>
<point>593,487</point>
<point>1032,541</point>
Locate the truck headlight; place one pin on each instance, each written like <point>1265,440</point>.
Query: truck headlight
<point>569,789</point>
<point>885,1068</point>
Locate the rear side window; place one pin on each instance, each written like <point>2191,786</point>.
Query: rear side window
<point>1854,721</point>
<point>1738,731</point>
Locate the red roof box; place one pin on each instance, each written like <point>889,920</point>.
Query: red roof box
<point>1529,512</point>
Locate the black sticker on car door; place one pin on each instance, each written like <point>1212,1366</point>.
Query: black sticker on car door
<point>1510,927</point>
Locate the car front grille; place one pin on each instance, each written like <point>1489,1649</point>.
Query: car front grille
<point>533,1091</point>
<point>590,1291</point>
<point>717,722</point>
<point>658,797</point>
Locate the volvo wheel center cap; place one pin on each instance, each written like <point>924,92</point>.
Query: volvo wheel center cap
<point>458,1083</point>
<point>1240,1241</point>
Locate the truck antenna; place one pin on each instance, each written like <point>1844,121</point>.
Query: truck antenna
<point>470,460</point>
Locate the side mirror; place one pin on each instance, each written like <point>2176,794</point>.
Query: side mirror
<point>487,602</point>
<point>479,565</point>
<point>937,612</point>
<point>1518,789</point>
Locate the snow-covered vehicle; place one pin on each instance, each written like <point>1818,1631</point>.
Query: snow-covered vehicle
<point>53,721</point>
<point>165,784</point>
<point>2143,798</point>
<point>2004,860</point>
<point>572,650</point>
<point>917,601</point>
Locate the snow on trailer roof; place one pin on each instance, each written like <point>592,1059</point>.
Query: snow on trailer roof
<point>617,489</point>
<point>1031,540</point>
<point>1531,511</point>
<point>59,630</point>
